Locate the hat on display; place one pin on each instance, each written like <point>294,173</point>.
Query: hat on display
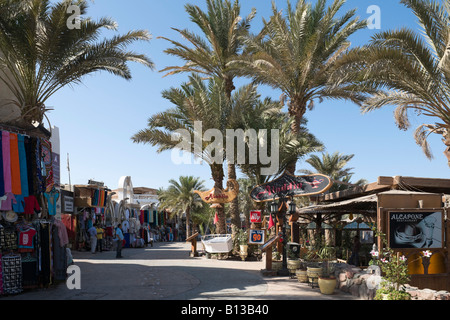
<point>10,216</point>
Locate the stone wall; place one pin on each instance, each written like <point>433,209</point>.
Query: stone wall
<point>355,281</point>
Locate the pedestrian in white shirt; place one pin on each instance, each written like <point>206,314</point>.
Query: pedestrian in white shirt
<point>92,231</point>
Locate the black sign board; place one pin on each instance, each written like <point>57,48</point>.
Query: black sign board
<point>416,228</point>
<point>67,201</point>
<point>290,185</point>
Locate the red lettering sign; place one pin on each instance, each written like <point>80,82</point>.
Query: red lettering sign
<point>255,216</point>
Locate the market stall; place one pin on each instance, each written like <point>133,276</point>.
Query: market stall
<point>32,237</point>
<point>92,209</point>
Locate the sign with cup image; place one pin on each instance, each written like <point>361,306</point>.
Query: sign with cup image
<point>255,216</point>
<point>416,229</point>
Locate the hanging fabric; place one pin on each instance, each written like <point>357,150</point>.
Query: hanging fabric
<point>46,154</point>
<point>2,179</point>
<point>6,148</point>
<point>16,186</point>
<point>59,255</point>
<point>23,165</point>
<point>52,198</point>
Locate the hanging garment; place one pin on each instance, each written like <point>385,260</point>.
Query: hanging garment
<point>19,205</point>
<point>59,255</point>
<point>12,274</point>
<point>15,164</point>
<point>62,233</point>
<point>7,201</point>
<point>40,169</point>
<point>26,238</point>
<point>2,238</point>
<point>52,199</point>
<point>1,274</point>
<point>6,151</point>
<point>30,154</point>
<point>30,277</point>
<point>45,254</point>
<point>9,239</point>
<point>141,216</point>
<point>23,165</point>
<point>2,179</point>
<point>46,154</point>
<point>31,205</point>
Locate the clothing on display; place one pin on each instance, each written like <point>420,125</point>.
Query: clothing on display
<point>12,274</point>
<point>52,198</point>
<point>32,241</point>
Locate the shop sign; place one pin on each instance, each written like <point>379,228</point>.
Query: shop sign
<point>216,195</point>
<point>416,229</point>
<point>67,203</point>
<point>256,236</point>
<point>255,216</point>
<point>290,185</point>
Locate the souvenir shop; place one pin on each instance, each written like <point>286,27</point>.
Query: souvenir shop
<point>93,208</point>
<point>32,241</point>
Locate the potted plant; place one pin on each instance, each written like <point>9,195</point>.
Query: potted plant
<point>313,268</point>
<point>301,273</point>
<point>277,264</point>
<point>395,272</point>
<point>242,237</point>
<point>327,281</point>
<point>293,262</point>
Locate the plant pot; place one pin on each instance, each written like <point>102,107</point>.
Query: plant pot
<point>293,264</point>
<point>277,265</point>
<point>313,274</point>
<point>327,285</point>
<point>302,275</point>
<point>243,251</point>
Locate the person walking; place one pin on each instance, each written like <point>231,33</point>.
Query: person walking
<point>354,258</point>
<point>100,233</point>
<point>92,231</point>
<point>119,238</point>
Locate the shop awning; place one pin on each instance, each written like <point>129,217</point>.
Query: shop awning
<point>366,204</point>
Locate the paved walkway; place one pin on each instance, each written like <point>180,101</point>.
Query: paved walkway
<point>166,272</point>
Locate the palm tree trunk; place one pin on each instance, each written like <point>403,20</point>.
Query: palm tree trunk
<point>217,175</point>
<point>297,109</point>
<point>188,221</point>
<point>234,206</point>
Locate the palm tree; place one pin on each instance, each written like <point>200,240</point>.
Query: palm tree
<point>39,54</point>
<point>292,146</point>
<point>333,165</point>
<point>268,114</point>
<point>180,198</point>
<point>413,71</point>
<point>194,101</point>
<point>222,28</point>
<point>298,54</point>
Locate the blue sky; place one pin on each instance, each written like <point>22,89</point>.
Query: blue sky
<point>97,118</point>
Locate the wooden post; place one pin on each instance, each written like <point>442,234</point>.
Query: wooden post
<point>193,240</point>
<point>267,247</point>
